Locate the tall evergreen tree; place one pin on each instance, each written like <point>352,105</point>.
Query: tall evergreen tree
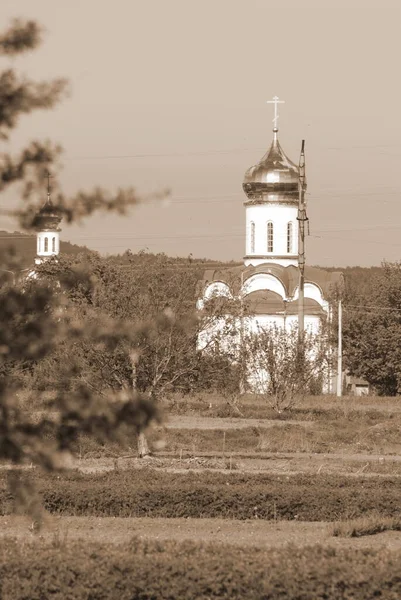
<point>37,317</point>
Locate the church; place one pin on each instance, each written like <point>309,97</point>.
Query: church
<point>47,224</point>
<point>268,281</point>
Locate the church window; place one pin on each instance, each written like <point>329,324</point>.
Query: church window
<point>54,244</point>
<point>46,244</point>
<point>289,237</point>
<point>252,237</point>
<point>270,236</point>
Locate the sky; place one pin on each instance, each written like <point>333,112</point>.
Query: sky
<point>172,94</point>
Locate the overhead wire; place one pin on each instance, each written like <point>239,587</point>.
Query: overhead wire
<point>211,152</point>
<point>373,307</point>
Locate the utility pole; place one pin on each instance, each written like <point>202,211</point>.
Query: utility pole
<point>301,218</point>
<point>242,338</point>
<point>340,351</point>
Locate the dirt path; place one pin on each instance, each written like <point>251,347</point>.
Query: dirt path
<point>285,464</point>
<point>274,463</point>
<point>264,534</point>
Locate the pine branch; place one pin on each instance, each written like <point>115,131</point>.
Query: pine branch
<point>20,37</point>
<point>21,96</point>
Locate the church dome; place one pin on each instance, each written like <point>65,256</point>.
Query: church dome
<point>48,217</point>
<point>274,178</point>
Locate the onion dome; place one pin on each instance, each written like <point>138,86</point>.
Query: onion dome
<point>275,178</point>
<point>48,217</point>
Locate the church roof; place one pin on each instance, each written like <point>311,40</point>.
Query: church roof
<point>275,175</point>
<point>48,217</point>
<point>311,307</point>
<point>264,302</point>
<point>289,276</point>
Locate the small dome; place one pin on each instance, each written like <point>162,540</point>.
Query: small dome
<point>275,176</point>
<point>48,217</point>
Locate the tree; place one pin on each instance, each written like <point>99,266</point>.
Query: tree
<point>155,290</point>
<point>39,318</point>
<point>279,370</point>
<point>372,331</point>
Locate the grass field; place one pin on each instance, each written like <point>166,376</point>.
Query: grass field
<point>310,499</point>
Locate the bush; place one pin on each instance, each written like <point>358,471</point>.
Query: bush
<point>369,525</point>
<point>150,570</point>
<point>147,492</point>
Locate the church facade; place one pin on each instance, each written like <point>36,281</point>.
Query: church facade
<point>268,282</point>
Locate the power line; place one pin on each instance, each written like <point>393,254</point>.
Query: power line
<point>168,202</point>
<point>359,242</point>
<point>355,308</point>
<point>151,236</point>
<point>210,152</point>
<point>206,265</point>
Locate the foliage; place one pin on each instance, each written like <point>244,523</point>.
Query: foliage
<point>24,247</point>
<point>372,348</point>
<point>370,525</point>
<point>189,570</point>
<point>155,291</point>
<point>281,366</point>
<point>151,493</point>
<point>39,317</point>
<point>333,436</point>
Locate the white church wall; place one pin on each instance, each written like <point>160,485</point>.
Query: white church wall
<point>48,243</point>
<point>265,322</point>
<point>225,331</point>
<point>311,322</point>
<point>217,288</point>
<point>280,215</point>
<point>263,281</point>
<point>313,292</point>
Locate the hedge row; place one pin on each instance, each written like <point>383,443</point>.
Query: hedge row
<point>147,492</point>
<point>312,408</point>
<point>171,571</point>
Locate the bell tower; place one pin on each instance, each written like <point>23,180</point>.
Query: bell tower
<point>47,228</point>
<point>271,207</point>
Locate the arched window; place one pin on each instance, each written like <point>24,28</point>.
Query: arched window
<point>54,244</point>
<point>289,237</point>
<point>38,244</point>
<point>270,234</point>
<point>46,244</point>
<point>252,237</point>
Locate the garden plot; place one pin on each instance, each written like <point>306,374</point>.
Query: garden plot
<point>221,423</point>
<point>313,440</point>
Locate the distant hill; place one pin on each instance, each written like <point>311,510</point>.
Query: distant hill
<point>358,279</point>
<point>25,246</point>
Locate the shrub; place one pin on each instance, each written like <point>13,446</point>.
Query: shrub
<point>151,570</point>
<point>369,525</point>
<point>147,492</point>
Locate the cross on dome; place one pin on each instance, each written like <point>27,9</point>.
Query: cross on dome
<point>48,184</point>
<point>275,101</point>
